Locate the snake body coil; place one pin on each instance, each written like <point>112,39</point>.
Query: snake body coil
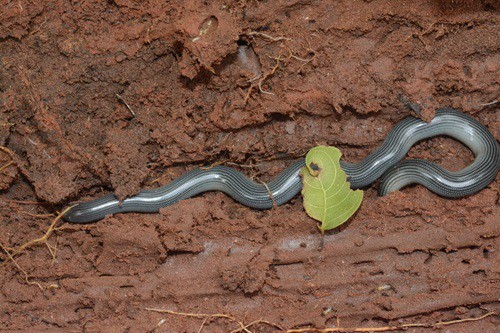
<point>385,162</point>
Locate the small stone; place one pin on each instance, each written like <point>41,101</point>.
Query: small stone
<point>120,57</point>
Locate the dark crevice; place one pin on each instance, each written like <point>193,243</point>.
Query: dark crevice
<point>481,272</point>
<point>377,272</point>
<point>203,77</point>
<point>486,253</point>
<point>84,308</point>
<point>279,117</point>
<point>278,262</point>
<point>364,263</point>
<point>177,48</point>
<point>429,258</point>
<point>242,42</point>
<point>488,7</point>
<point>175,252</point>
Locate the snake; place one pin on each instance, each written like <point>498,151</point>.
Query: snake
<point>386,162</point>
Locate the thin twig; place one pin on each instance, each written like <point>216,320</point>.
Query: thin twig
<point>6,165</point>
<point>26,277</point>
<point>264,91</point>
<point>490,103</point>
<point>260,321</point>
<point>39,28</point>
<point>261,34</point>
<point>126,104</point>
<point>456,321</point>
<point>271,196</point>
<point>202,315</point>
<point>249,166</point>
<point>148,40</point>
<point>203,324</point>
<point>36,215</point>
<point>212,165</point>
<point>386,328</point>
<point>194,315</point>
<point>305,61</point>
<point>263,78</point>
<point>46,236</point>
<point>267,75</point>
<point>8,151</point>
<point>245,327</point>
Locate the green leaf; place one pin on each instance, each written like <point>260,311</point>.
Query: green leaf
<point>328,197</point>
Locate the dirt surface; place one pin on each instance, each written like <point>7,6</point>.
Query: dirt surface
<point>102,96</point>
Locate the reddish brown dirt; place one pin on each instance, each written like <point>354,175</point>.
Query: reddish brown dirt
<point>343,74</point>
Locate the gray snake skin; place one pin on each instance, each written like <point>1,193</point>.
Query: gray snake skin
<point>384,162</point>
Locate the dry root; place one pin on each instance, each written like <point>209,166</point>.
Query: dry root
<point>242,327</point>
<point>11,253</point>
<point>257,82</point>
<point>246,327</point>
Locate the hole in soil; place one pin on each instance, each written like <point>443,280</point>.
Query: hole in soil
<point>242,42</point>
<point>248,59</point>
<point>202,78</point>
<point>177,48</point>
<point>488,7</point>
<point>279,117</point>
<point>113,3</point>
<point>486,252</point>
<point>480,272</point>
